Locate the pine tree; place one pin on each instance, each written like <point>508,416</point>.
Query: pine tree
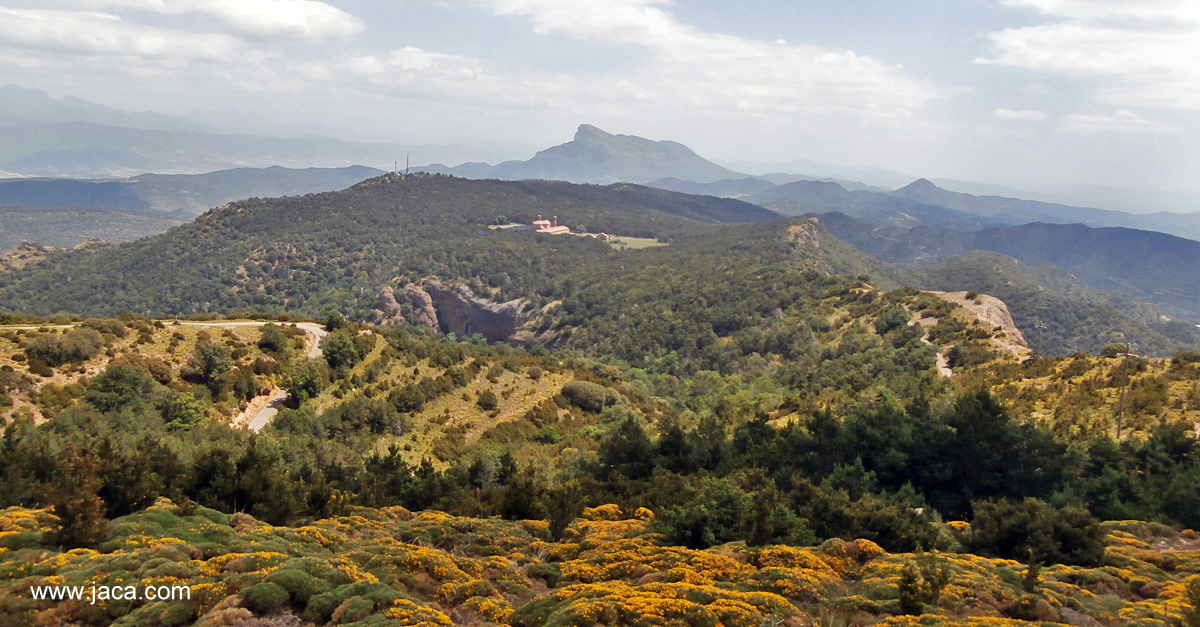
<point>911,594</point>
<point>74,499</point>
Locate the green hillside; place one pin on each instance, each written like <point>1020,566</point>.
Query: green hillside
<point>335,250</point>
<point>750,425</point>
<point>1061,308</point>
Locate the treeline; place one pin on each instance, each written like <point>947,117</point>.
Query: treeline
<point>318,252</point>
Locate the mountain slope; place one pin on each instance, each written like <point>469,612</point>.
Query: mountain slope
<point>335,250</point>
<point>595,156</point>
<point>804,197</point>
<point>1016,211</point>
<point>1057,314</point>
<point>1154,267</point>
<point>724,188</point>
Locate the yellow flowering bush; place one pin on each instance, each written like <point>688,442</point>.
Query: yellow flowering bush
<point>418,569</point>
<point>492,609</point>
<point>412,614</point>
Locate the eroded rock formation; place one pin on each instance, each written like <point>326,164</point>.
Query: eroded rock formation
<point>455,308</point>
<point>461,312</point>
<point>414,306</point>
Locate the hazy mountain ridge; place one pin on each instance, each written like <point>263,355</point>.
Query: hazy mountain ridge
<point>33,107</point>
<point>1017,211</point>
<point>922,203</point>
<point>87,150</point>
<point>185,195</point>
<point>805,197</point>
<point>594,156</point>
<point>1153,267</point>
<point>725,188</point>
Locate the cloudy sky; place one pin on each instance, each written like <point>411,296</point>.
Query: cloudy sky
<point>1072,91</point>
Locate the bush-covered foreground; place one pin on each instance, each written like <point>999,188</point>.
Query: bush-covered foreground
<point>393,567</point>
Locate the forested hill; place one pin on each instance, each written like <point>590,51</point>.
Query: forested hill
<point>335,250</point>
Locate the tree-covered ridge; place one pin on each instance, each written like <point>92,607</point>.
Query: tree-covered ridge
<point>335,250</point>
<point>67,226</point>
<point>339,250</point>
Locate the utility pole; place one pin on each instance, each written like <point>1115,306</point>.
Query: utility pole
<point>406,164</point>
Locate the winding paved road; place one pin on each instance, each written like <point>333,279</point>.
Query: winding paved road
<point>277,397</point>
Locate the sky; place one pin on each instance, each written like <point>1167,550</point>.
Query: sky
<point>1090,92</point>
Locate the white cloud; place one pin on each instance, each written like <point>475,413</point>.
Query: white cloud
<point>1143,53</point>
<point>690,70</point>
<point>300,19</point>
<point>92,33</point>
<point>1024,115</point>
<point>1124,122</point>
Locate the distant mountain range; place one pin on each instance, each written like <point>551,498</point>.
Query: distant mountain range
<point>70,137</point>
<point>595,156</point>
<point>921,203</point>
<point>84,150</point>
<point>918,222</point>
<point>1154,267</point>
<point>33,107</point>
<point>750,185</point>
<point>181,195</point>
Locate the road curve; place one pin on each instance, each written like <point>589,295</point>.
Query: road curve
<point>279,397</point>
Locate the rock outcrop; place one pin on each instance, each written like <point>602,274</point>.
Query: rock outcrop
<point>423,312</point>
<point>993,312</point>
<point>387,310</point>
<point>461,312</point>
<point>414,306</point>
<point>455,308</point>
